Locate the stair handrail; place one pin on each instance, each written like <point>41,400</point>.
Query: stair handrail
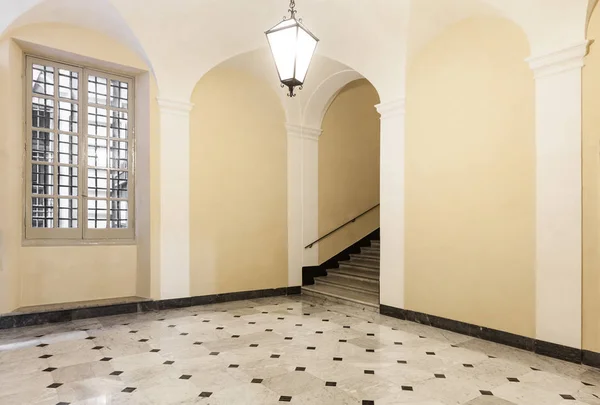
<point>310,245</point>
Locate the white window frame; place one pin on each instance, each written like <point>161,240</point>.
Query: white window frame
<point>81,234</point>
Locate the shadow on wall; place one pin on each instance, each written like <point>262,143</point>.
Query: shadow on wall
<point>238,190</point>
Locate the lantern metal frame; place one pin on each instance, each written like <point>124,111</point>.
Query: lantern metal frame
<point>293,82</point>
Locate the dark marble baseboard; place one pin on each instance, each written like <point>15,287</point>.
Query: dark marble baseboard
<point>554,350</point>
<point>8,321</point>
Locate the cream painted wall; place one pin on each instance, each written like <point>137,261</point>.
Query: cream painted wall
<point>591,190</point>
<point>238,189</point>
<point>470,178</point>
<point>66,274</point>
<point>349,167</point>
<point>46,275</point>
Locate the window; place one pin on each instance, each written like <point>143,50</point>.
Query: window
<point>79,170</point>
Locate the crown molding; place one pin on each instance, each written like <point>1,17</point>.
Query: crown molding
<point>303,132</point>
<point>559,61</point>
<point>175,106</point>
<point>392,108</point>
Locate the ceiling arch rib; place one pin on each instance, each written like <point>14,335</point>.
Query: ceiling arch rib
<point>96,15</point>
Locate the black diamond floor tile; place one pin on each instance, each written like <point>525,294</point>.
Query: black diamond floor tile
<point>568,397</point>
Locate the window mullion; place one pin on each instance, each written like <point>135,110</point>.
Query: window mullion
<point>55,130</point>
<point>84,153</point>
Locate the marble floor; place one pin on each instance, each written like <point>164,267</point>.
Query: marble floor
<point>271,351</point>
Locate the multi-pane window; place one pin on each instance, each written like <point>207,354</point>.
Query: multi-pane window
<point>80,153</point>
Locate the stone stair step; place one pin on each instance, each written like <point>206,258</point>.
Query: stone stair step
<point>329,291</point>
<point>361,262</point>
<point>369,267</point>
<point>355,284</point>
<point>373,251</point>
<point>356,272</point>
<point>364,257</point>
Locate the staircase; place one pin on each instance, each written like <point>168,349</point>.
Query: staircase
<point>355,282</point>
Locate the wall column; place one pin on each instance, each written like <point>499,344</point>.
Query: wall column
<point>303,199</point>
<point>174,198</point>
<point>558,194</point>
<point>391,214</point>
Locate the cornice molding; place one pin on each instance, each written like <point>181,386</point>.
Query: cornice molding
<point>559,61</point>
<point>175,106</point>
<point>303,132</point>
<point>392,108</point>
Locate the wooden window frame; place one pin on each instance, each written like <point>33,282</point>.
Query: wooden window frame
<point>82,234</point>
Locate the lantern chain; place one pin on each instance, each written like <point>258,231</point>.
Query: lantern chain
<point>292,9</point>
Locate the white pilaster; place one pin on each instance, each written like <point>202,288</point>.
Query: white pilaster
<point>391,214</point>
<point>174,198</point>
<point>303,199</point>
<point>558,194</point>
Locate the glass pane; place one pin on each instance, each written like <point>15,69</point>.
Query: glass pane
<point>43,80</point>
<point>42,146</point>
<point>42,212</point>
<point>42,179</point>
<point>68,84</point>
<point>283,48</point>
<point>97,152</point>
<point>96,121</point>
<point>118,155</point>
<point>305,48</point>
<point>42,113</point>
<point>118,124</point>
<point>67,213</point>
<point>68,116</point>
<point>118,184</point>
<point>97,214</point>
<point>97,182</point>
<point>118,94</point>
<point>119,214</point>
<point>67,180</point>
<point>68,149</point>
<point>97,90</point>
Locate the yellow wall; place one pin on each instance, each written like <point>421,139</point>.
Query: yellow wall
<point>349,167</point>
<point>238,185</point>
<point>470,178</point>
<point>591,190</point>
<point>47,275</point>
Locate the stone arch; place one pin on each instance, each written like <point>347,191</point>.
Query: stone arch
<point>326,91</point>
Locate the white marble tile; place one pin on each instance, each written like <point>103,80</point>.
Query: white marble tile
<point>210,355</point>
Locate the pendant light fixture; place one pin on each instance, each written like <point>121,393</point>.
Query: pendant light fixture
<point>293,47</point>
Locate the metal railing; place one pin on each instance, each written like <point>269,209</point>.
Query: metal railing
<point>310,245</point>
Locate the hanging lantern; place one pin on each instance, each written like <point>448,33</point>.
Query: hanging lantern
<point>293,47</point>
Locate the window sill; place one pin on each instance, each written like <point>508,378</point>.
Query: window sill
<point>77,242</point>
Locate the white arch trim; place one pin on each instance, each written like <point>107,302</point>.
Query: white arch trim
<point>320,100</point>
